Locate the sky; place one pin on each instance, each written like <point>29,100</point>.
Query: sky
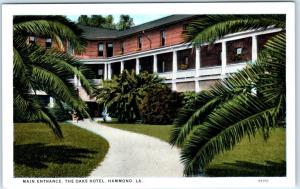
<point>137,18</point>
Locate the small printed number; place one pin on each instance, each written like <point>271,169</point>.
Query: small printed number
<point>263,180</point>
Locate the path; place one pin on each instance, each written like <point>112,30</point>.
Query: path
<point>134,155</point>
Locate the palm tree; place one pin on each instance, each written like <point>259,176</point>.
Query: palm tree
<point>123,94</point>
<point>50,70</point>
<point>247,101</point>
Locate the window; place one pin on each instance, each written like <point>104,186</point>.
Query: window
<point>31,39</point>
<point>139,42</point>
<point>100,49</point>
<point>163,37</point>
<point>122,47</point>
<point>48,42</point>
<point>109,49</point>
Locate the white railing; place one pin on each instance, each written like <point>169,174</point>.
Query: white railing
<point>185,73</point>
<point>216,70</point>
<point>231,68</point>
<point>166,75</point>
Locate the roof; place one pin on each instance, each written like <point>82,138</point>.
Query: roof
<point>94,33</point>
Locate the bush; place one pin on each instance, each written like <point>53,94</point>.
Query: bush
<point>160,105</point>
<point>61,112</point>
<point>188,97</point>
<point>123,94</point>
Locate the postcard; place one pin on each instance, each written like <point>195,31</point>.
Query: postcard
<point>148,95</point>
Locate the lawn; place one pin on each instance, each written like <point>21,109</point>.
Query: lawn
<point>254,157</point>
<point>159,131</point>
<point>37,153</point>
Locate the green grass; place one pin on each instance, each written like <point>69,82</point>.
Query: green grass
<point>159,131</point>
<point>37,153</point>
<point>254,157</point>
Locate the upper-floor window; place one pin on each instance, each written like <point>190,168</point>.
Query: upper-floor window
<point>48,42</point>
<point>100,49</point>
<point>139,42</point>
<point>122,47</point>
<point>109,49</point>
<point>31,39</point>
<point>163,38</point>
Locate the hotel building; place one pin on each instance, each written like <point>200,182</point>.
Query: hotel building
<point>159,47</point>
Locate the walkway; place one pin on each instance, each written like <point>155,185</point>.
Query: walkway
<point>134,155</point>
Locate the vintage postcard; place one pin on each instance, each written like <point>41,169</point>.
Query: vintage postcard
<point>148,95</point>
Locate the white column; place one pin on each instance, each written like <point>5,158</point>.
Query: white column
<point>174,67</point>
<point>122,66</point>
<point>224,59</point>
<point>174,88</point>
<point>77,82</point>
<point>197,86</point>
<point>174,70</point>
<point>197,68</point>
<point>198,60</point>
<point>51,103</point>
<point>105,71</point>
<point>155,63</point>
<point>137,66</point>
<point>109,71</point>
<point>254,48</point>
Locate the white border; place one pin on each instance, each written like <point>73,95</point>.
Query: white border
<point>8,11</point>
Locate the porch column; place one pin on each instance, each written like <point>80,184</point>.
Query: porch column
<point>197,68</point>
<point>254,48</point>
<point>224,59</point>
<point>174,88</point>
<point>174,66</point>
<point>155,63</point>
<point>174,70</point>
<point>105,71</point>
<point>197,86</point>
<point>109,71</point>
<point>197,65</point>
<point>122,66</point>
<point>51,103</point>
<point>77,82</point>
<point>137,66</point>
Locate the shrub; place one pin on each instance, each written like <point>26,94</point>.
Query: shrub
<point>61,112</point>
<point>160,105</point>
<point>123,94</point>
<point>188,97</point>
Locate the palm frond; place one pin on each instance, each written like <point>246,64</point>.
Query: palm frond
<point>220,117</point>
<point>226,126</point>
<point>212,27</point>
<point>35,112</point>
<point>48,25</point>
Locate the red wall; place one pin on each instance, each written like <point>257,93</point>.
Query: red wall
<point>173,37</point>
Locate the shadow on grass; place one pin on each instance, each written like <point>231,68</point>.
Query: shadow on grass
<point>244,168</point>
<point>38,154</point>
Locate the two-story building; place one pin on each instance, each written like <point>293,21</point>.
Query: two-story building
<point>159,47</point>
